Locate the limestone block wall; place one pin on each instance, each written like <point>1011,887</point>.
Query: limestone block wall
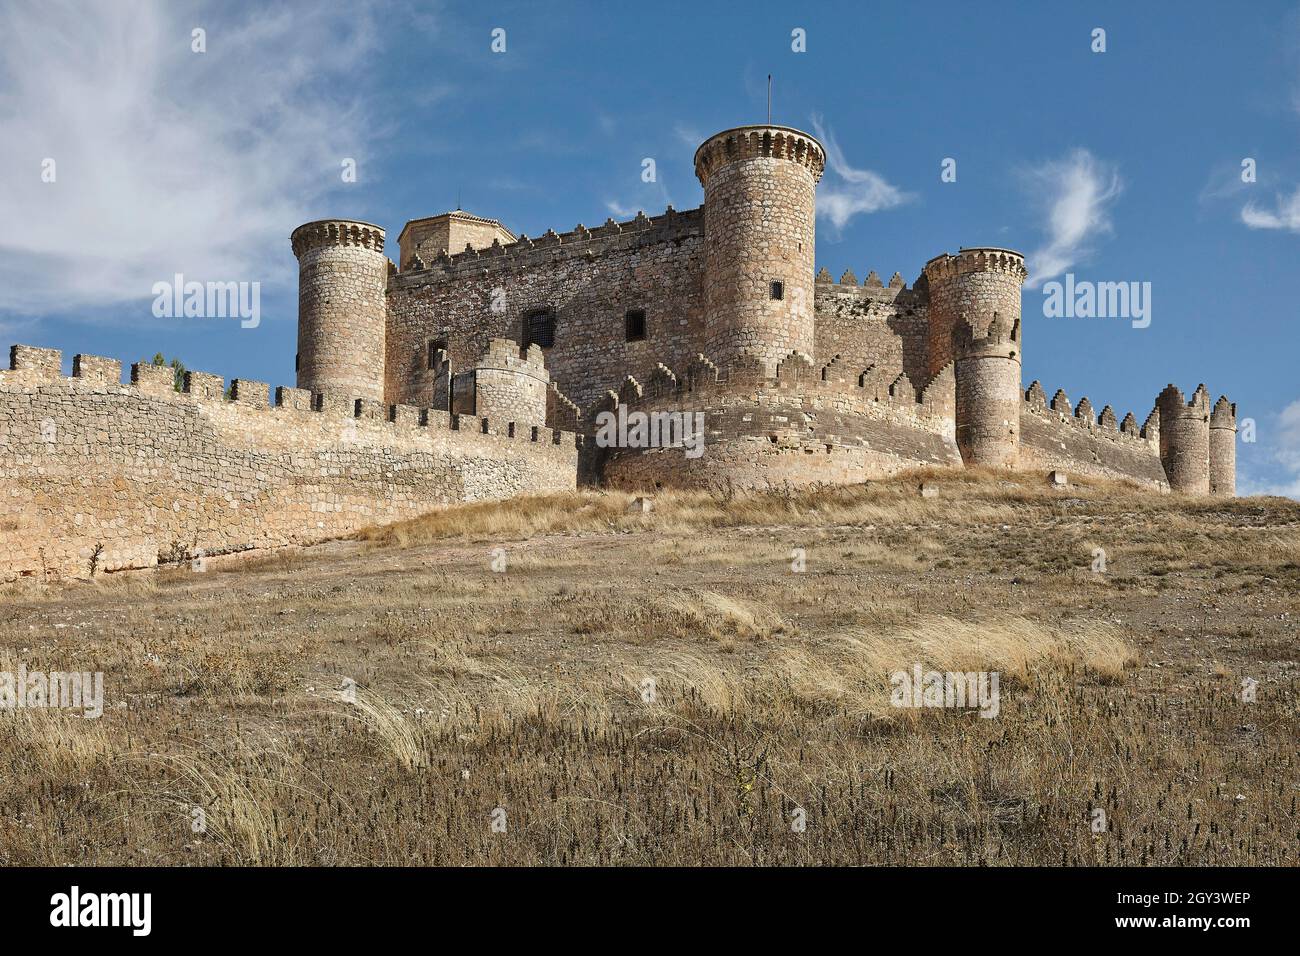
<point>589,278</point>
<point>872,324</point>
<point>98,472</point>
<point>798,429</point>
<point>759,227</point>
<point>1057,436</point>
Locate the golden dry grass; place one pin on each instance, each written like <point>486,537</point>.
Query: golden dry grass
<point>665,689</point>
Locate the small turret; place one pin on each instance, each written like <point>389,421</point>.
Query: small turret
<point>988,390</point>
<point>1185,439</point>
<point>975,282</point>
<point>1223,448</point>
<point>507,385</point>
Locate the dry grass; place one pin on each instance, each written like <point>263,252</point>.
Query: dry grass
<point>664,689</point>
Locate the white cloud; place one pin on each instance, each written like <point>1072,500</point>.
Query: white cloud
<point>689,136</point>
<point>1283,453</point>
<point>167,160</point>
<point>1076,193</point>
<point>1286,215</point>
<point>845,191</point>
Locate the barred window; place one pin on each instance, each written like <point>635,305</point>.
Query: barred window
<point>539,328</point>
<point>777,290</point>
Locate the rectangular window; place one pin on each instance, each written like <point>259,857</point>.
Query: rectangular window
<point>636,325</point>
<point>435,346</point>
<point>777,290</point>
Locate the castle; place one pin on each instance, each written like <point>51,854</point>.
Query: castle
<point>478,366</point>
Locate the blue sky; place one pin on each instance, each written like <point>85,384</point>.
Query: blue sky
<point>1115,166</point>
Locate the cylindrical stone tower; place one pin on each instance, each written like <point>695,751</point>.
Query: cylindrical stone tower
<point>342,307</point>
<point>974,321</point>
<point>987,368</point>
<point>1185,439</point>
<point>759,211</point>
<point>1223,448</point>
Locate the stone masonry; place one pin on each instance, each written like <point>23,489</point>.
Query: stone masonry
<point>802,379</point>
<point>465,373</point>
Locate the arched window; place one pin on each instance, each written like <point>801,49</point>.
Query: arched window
<point>539,328</point>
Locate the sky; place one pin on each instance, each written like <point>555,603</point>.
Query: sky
<point>1169,157</point>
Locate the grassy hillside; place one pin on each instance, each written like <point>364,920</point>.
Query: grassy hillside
<point>665,688</point>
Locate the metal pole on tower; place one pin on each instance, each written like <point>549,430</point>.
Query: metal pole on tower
<point>769,99</point>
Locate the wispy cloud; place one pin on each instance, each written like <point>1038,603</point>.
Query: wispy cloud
<point>1284,215</point>
<point>1282,456</point>
<point>688,135</point>
<point>1076,193</point>
<point>167,160</point>
<point>846,191</point>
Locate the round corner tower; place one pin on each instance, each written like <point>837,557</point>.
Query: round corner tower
<point>342,307</point>
<point>760,186</point>
<point>1223,448</point>
<point>974,323</point>
<point>1185,439</point>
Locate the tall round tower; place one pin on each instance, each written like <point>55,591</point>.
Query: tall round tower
<point>342,307</point>
<point>1223,448</point>
<point>974,323</point>
<point>1185,439</point>
<point>759,211</point>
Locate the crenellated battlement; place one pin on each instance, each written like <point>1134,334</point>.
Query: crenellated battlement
<point>337,232</point>
<point>759,142</point>
<point>33,368</point>
<point>579,242</point>
<point>797,375</point>
<point>978,259</point>
<point>1083,416</point>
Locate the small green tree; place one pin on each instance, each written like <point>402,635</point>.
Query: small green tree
<point>177,367</point>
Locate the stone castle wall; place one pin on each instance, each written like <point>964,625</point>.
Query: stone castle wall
<point>116,475</point>
<point>806,426</point>
<point>590,278</point>
<point>1057,436</point>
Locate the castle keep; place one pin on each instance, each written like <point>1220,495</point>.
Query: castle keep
<point>481,365</point>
